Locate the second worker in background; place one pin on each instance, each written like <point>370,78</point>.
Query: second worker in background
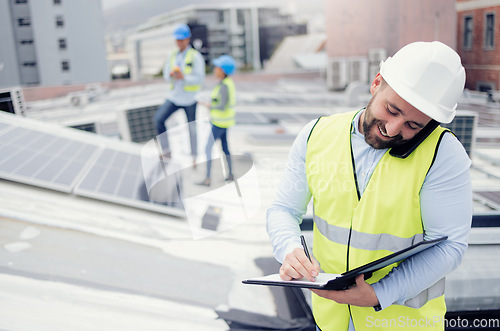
<point>185,70</point>
<point>222,112</point>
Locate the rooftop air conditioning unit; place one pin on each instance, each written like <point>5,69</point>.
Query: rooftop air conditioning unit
<point>376,55</point>
<point>12,101</point>
<point>336,73</point>
<point>358,69</point>
<point>78,99</point>
<point>373,70</point>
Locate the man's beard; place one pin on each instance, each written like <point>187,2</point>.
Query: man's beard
<point>372,139</point>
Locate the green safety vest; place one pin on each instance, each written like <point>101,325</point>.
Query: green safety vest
<point>350,232</point>
<point>186,69</point>
<point>223,118</point>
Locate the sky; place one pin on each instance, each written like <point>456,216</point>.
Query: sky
<point>106,4</point>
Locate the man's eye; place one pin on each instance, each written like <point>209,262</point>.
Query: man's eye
<point>390,112</point>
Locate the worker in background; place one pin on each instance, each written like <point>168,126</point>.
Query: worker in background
<point>222,112</point>
<point>185,70</point>
<point>382,178</point>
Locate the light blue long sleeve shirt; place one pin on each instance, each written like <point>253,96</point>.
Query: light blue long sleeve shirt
<point>177,95</point>
<point>446,210</point>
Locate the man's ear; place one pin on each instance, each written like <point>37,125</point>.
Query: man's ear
<point>377,81</point>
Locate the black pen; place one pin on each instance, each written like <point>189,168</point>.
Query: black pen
<point>304,245</point>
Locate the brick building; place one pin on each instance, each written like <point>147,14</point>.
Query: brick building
<point>361,33</point>
<point>478,42</point>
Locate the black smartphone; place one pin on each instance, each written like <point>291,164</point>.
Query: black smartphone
<point>402,151</point>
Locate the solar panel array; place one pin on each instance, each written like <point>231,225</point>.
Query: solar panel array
<point>77,166</point>
<point>463,126</point>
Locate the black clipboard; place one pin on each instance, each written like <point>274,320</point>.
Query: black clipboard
<point>347,279</point>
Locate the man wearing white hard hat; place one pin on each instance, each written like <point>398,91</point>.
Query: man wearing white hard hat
<point>382,178</point>
<point>185,71</point>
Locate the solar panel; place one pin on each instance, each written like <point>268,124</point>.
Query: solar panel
<point>464,126</point>
<point>117,176</point>
<point>31,154</point>
<point>138,124</point>
<point>42,159</point>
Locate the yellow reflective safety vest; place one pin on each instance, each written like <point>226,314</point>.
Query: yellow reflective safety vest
<point>187,67</point>
<point>350,231</point>
<point>223,118</point>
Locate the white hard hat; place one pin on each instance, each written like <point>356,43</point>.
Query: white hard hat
<point>429,76</point>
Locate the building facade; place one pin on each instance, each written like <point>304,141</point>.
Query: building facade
<point>233,29</point>
<point>478,32</point>
<point>362,33</point>
<point>51,42</point>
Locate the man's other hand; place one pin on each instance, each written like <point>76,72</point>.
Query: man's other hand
<point>361,295</point>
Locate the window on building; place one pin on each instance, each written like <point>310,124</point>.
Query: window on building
<point>29,64</point>
<point>485,86</point>
<point>62,43</point>
<point>24,21</point>
<point>21,1</point>
<point>221,16</point>
<point>59,22</point>
<point>26,42</point>
<point>489,31</point>
<point>468,24</point>
<point>57,2</point>
<point>240,17</point>
<point>65,65</point>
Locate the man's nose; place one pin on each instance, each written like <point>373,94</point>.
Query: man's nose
<point>393,127</point>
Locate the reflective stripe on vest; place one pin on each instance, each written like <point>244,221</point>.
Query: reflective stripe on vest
<point>349,232</point>
<point>187,68</point>
<point>223,118</point>
<point>367,241</point>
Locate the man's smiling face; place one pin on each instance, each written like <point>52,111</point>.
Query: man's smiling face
<point>389,120</point>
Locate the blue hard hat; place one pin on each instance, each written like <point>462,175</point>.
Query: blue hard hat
<point>226,63</point>
<point>182,32</point>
